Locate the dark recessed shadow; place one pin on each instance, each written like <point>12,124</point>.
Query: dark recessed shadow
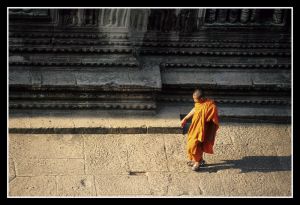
<point>76,113</point>
<point>252,164</point>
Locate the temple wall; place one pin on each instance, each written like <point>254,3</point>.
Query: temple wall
<point>139,58</point>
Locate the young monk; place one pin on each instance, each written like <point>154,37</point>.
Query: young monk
<point>201,133</point>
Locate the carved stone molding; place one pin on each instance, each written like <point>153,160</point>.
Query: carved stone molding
<point>160,20</point>
<point>211,45</point>
<point>69,35</point>
<point>87,64</point>
<point>245,17</point>
<point>163,65</point>
<point>67,42</point>
<point>183,44</point>
<point>226,101</point>
<point>234,88</point>
<point>214,53</point>
<point>71,50</point>
<point>220,40</point>
<point>90,105</point>
<point>234,66</point>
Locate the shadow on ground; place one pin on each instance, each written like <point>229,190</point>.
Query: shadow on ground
<point>251,164</point>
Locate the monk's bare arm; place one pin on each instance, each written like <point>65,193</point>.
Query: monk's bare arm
<point>191,113</point>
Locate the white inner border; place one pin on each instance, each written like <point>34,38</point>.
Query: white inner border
<point>152,196</point>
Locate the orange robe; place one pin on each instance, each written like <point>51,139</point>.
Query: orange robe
<point>201,133</point>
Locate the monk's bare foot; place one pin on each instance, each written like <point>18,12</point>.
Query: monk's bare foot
<point>196,166</point>
<point>190,163</point>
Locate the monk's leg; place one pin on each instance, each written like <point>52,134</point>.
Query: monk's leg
<point>198,156</point>
<point>190,157</point>
<point>194,157</point>
<point>189,149</point>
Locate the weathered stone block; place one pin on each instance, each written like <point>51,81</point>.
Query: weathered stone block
<point>176,152</point>
<point>263,184</point>
<point>82,185</point>
<point>232,181</point>
<point>283,180</point>
<point>267,134</point>
<point>37,167</point>
<point>122,185</point>
<point>174,184</point>
<point>105,155</point>
<point>36,78</point>
<point>111,78</point>
<point>58,78</point>
<point>23,146</point>
<point>19,78</point>
<point>33,186</point>
<point>12,171</point>
<point>146,153</point>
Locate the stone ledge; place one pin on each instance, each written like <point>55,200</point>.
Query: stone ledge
<point>165,120</point>
<point>142,130</point>
<point>98,130</point>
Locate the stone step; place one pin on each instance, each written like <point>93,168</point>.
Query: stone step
<point>165,120</point>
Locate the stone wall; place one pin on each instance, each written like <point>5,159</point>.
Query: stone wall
<point>139,58</point>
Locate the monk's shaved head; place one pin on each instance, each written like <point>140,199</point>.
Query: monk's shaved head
<point>198,93</point>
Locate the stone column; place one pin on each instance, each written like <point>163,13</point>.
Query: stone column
<point>168,20</point>
<point>200,17</point>
<point>174,21</point>
<point>112,20</point>
<point>146,14</point>
<point>69,17</point>
<point>114,17</point>
<point>212,15</point>
<point>157,19</point>
<point>278,16</point>
<point>126,17</point>
<point>254,16</point>
<point>222,15</point>
<point>118,19</point>
<point>101,17</point>
<point>245,14</point>
<point>139,19</point>
<point>233,15</point>
<point>81,16</point>
<point>89,16</point>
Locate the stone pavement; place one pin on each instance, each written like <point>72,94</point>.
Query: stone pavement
<point>250,160</point>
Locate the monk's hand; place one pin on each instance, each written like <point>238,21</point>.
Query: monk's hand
<point>183,122</point>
